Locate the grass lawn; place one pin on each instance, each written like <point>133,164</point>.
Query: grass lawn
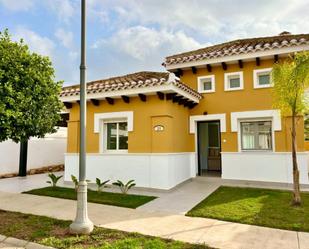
<point>55,233</point>
<point>262,207</point>
<point>114,199</point>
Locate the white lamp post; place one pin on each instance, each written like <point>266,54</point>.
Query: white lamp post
<point>82,224</point>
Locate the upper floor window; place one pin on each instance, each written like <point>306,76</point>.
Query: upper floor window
<point>256,135</point>
<point>233,81</point>
<point>206,84</point>
<point>261,78</point>
<point>116,136</point>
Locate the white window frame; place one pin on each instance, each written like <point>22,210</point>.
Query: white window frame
<point>227,82</point>
<point>255,120</point>
<point>200,85</point>
<point>103,136</point>
<point>256,78</point>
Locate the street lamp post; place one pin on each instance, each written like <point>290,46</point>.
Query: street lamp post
<point>82,224</point>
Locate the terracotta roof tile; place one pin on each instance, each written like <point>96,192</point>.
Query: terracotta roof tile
<point>240,46</point>
<point>130,81</point>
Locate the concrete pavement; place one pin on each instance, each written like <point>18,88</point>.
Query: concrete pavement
<point>212,232</point>
<point>12,243</point>
<point>179,200</point>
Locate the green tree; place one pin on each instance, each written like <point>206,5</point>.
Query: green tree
<point>29,103</point>
<point>291,79</point>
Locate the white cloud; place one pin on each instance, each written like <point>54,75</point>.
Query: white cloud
<point>65,37</point>
<point>214,20</point>
<point>135,49</point>
<point>21,5</point>
<point>137,34</point>
<point>64,9</point>
<point>142,43</point>
<point>39,44</point>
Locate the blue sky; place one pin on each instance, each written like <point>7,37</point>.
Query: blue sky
<point>133,35</point>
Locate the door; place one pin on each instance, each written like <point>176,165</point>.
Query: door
<point>209,147</point>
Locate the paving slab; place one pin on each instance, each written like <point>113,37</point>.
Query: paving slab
<point>303,239</point>
<point>15,242</point>
<point>8,246</point>
<point>2,237</point>
<point>32,245</point>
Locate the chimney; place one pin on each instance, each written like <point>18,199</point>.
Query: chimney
<point>285,33</point>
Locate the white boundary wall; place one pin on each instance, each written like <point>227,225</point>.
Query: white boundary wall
<point>41,152</point>
<point>161,171</point>
<point>264,166</point>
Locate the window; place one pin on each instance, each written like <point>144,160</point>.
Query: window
<point>261,78</point>
<point>256,135</point>
<point>116,136</point>
<point>233,81</point>
<point>206,84</point>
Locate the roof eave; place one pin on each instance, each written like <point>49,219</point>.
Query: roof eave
<point>168,88</point>
<point>236,57</point>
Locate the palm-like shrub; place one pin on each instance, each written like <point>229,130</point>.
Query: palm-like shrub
<point>124,188</point>
<point>53,179</point>
<point>75,181</point>
<point>101,185</point>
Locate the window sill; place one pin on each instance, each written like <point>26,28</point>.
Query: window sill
<point>233,89</point>
<point>208,91</point>
<point>257,151</point>
<point>114,152</point>
<point>262,86</point>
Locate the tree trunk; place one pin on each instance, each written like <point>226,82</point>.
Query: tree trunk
<point>23,158</point>
<point>296,194</point>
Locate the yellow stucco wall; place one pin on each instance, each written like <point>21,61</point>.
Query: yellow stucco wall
<point>248,99</point>
<point>143,138</point>
<point>175,118</point>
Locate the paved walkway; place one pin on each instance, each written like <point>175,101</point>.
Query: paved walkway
<point>21,184</point>
<point>12,243</point>
<point>214,233</point>
<point>177,201</point>
<point>180,200</point>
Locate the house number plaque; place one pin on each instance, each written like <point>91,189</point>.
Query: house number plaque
<point>159,128</point>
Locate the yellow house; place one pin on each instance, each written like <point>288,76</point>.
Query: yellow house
<point>210,114</point>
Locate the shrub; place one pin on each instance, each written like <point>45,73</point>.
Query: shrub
<point>101,185</point>
<point>75,181</point>
<point>53,179</point>
<point>124,188</point>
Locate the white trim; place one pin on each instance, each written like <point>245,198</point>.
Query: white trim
<point>200,85</point>
<point>235,58</point>
<point>134,92</point>
<point>184,93</point>
<point>227,86</point>
<point>98,117</point>
<point>210,117</point>
<point>256,79</point>
<point>274,114</point>
<point>255,120</point>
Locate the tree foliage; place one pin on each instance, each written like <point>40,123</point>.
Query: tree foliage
<point>291,79</point>
<point>29,94</point>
